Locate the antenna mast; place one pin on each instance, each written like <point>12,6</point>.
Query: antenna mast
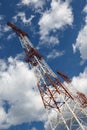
<point>66,107</point>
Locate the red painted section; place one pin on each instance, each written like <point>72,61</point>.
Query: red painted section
<point>17,30</point>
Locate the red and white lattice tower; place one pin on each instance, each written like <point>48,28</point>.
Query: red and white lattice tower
<point>66,107</point>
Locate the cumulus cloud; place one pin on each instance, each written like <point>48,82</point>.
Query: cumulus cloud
<point>35,3</point>
<point>56,18</point>
<point>54,54</point>
<point>81,41</point>
<point>80,82</point>
<point>20,101</point>
<point>2,115</point>
<point>50,40</point>
<point>22,17</point>
<point>85,9</point>
<point>3,65</point>
<point>18,89</point>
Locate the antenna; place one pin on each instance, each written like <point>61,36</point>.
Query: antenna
<point>65,105</point>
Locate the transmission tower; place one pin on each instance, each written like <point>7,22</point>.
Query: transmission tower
<point>66,107</point>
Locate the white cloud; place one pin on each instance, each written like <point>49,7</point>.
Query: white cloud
<point>2,115</point>
<point>6,28</point>
<point>47,125</point>
<point>33,128</point>
<point>80,82</point>
<point>3,65</point>
<point>3,28</point>
<point>56,18</point>
<point>18,88</point>
<point>50,40</point>
<point>81,41</point>
<point>22,17</point>
<point>35,3</point>
<point>54,54</point>
<point>85,9</point>
<point>10,36</point>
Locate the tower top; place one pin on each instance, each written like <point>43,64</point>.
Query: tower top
<point>17,30</point>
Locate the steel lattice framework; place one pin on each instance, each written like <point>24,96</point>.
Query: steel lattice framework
<point>65,105</point>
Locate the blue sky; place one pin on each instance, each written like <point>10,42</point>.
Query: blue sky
<point>58,29</point>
